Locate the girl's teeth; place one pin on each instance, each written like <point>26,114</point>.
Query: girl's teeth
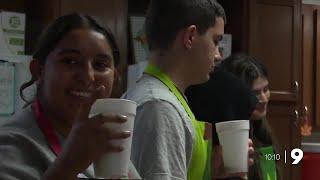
<point>81,94</point>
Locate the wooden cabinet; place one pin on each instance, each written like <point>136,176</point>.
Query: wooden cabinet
<point>271,31</point>
<point>275,39</point>
<point>311,61</point>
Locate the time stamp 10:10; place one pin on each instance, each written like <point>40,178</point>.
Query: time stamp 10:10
<point>295,154</point>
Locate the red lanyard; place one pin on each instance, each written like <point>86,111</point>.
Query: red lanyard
<point>46,128</point>
<point>48,131</point>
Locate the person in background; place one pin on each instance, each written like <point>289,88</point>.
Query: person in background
<point>223,98</point>
<point>53,138</point>
<point>237,89</point>
<point>255,75</point>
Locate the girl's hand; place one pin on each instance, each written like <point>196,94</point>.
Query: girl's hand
<point>88,140</point>
<point>218,166</point>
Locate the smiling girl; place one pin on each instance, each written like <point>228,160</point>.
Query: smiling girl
<point>53,138</point>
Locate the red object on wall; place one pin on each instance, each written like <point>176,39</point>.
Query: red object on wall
<point>310,167</point>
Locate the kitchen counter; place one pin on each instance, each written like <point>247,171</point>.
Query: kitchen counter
<point>312,147</point>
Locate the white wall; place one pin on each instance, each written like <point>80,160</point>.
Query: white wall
<point>316,2</point>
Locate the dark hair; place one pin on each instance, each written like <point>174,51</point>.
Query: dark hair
<point>165,18</point>
<point>57,30</point>
<point>247,68</point>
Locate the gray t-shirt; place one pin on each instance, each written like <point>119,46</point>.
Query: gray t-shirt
<point>163,133</point>
<point>24,151</point>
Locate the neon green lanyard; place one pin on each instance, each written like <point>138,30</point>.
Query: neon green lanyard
<point>156,72</point>
<point>196,169</point>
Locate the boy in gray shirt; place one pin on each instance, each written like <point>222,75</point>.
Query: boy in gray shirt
<point>183,38</point>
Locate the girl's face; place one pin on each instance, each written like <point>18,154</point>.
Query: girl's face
<point>81,62</point>
<point>261,89</point>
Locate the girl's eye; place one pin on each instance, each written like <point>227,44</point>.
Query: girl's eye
<point>69,61</point>
<point>101,65</point>
<point>256,92</point>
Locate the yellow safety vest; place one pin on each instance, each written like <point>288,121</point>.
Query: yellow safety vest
<point>197,166</point>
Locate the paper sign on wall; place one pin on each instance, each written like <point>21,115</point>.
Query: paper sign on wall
<point>226,46</point>
<point>139,39</point>
<point>6,88</point>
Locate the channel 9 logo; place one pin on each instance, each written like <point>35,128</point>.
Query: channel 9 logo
<point>295,154</point>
